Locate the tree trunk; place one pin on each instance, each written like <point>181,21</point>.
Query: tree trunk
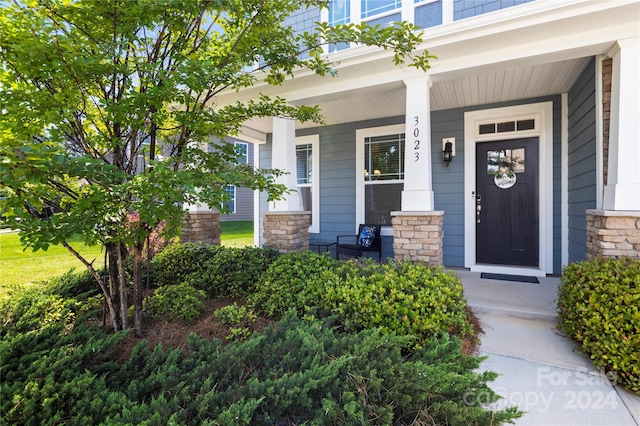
<point>107,294</point>
<point>114,290</point>
<point>138,322</point>
<point>122,283</point>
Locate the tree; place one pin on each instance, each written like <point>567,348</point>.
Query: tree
<point>108,105</point>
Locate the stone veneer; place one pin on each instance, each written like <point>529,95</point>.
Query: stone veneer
<point>201,227</point>
<point>287,231</point>
<point>613,233</point>
<point>417,236</point>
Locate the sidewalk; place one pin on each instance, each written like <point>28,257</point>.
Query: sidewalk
<point>539,370</point>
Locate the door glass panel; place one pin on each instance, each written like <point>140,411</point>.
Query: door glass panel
<point>505,161</point>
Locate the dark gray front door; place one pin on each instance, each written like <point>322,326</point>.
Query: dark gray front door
<point>507,228</point>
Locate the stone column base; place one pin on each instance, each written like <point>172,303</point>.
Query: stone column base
<point>417,236</point>
<point>287,231</point>
<point>201,227</point>
<point>613,233</point>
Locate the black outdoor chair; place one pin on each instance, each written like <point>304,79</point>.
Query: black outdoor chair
<point>367,240</point>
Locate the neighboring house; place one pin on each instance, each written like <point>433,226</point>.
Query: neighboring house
<point>539,101</point>
<point>242,199</point>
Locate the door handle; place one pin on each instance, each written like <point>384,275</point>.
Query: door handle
<point>478,208</point>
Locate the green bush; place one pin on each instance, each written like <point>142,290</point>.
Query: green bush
<point>241,318</point>
<point>75,284</point>
<point>293,281</point>
<point>232,272</point>
<point>176,262</point>
<point>179,301</point>
<point>299,373</point>
<point>599,306</point>
<point>403,298</point>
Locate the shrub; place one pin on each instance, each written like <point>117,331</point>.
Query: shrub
<point>179,301</point>
<point>293,281</point>
<point>75,284</point>
<point>599,306</point>
<point>175,263</point>
<point>404,298</point>
<point>241,318</point>
<point>232,272</point>
<point>299,373</point>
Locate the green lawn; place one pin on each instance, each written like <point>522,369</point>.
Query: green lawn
<point>21,269</point>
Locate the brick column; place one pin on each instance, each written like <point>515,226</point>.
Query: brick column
<point>287,231</point>
<point>201,227</point>
<point>417,236</point>
<point>613,233</point>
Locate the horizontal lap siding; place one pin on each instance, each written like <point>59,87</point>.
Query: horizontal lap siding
<point>582,160</point>
<point>244,196</point>
<point>448,182</point>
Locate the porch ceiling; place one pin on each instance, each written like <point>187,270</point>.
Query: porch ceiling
<point>476,89</point>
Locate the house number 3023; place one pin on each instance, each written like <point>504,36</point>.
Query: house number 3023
<point>416,141</point>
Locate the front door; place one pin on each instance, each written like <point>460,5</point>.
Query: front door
<point>507,222</point>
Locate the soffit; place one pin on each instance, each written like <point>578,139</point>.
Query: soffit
<point>477,89</point>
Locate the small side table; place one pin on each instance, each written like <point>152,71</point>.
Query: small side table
<point>321,246</point>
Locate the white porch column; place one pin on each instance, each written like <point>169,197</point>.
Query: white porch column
<point>418,193</point>
<point>283,157</point>
<point>622,191</point>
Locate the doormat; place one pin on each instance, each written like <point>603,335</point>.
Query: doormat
<point>505,277</point>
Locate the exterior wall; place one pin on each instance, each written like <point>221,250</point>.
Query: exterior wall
<point>244,196</point>
<point>466,9</point>
<point>338,179</point>
<point>582,160</point>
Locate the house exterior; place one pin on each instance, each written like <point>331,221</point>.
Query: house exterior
<point>242,199</point>
<point>537,104</point>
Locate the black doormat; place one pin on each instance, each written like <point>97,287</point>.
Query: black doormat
<point>505,277</point>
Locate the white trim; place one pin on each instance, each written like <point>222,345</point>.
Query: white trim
<point>564,184</point>
<point>314,141</point>
<point>543,114</point>
<point>257,223</point>
<point>361,134</point>
<point>599,134</point>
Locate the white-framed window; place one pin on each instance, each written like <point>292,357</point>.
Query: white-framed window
<point>230,204</point>
<point>370,8</point>
<point>308,177</point>
<point>380,165</point>
<point>242,151</point>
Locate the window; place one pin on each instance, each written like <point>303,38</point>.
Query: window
<point>339,12</point>
<point>382,159</point>
<point>230,204</point>
<point>307,172</point>
<point>242,150</point>
<point>375,7</point>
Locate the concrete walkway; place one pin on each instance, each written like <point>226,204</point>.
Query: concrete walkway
<point>540,370</point>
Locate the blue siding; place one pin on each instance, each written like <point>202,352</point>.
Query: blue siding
<point>303,20</point>
<point>428,15</point>
<point>467,8</point>
<point>582,160</point>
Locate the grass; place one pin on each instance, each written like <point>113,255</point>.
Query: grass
<point>237,233</point>
<point>21,269</point>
